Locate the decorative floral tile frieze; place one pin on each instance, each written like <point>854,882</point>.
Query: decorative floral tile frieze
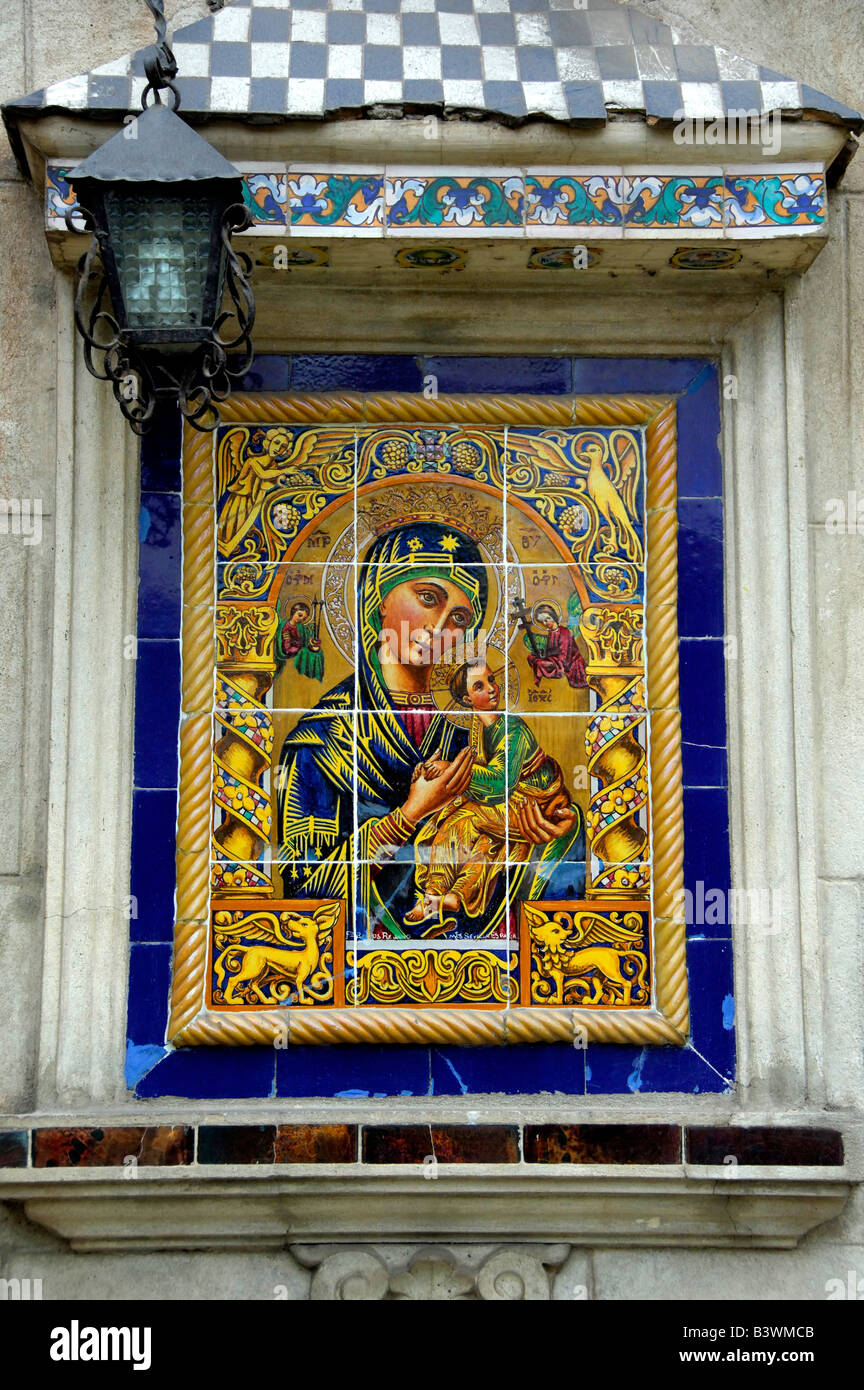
<point>264,196</point>
<point>352,203</point>
<point>59,197</point>
<point>662,202</point>
<point>601,203</point>
<point>561,201</point>
<point>463,203</point>
<point>775,200</point>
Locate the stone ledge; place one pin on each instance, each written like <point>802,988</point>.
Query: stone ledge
<point>263,1208</point>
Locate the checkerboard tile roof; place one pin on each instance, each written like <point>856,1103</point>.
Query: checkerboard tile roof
<point>561,59</point>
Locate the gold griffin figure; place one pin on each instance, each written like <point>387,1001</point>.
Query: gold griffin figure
<point>576,956</point>
<point>291,950</point>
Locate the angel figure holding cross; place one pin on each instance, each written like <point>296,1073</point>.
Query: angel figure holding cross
<point>553,652</point>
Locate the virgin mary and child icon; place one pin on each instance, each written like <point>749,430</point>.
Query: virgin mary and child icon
<point>411,785</point>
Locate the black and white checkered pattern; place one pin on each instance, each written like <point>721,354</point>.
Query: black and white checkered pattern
<point>569,60</point>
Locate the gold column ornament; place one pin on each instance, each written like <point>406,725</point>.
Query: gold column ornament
<point>616,758</point>
<point>243,753</point>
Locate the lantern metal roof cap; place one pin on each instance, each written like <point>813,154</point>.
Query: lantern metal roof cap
<point>157,147</point>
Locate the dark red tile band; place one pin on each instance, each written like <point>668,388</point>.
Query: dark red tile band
<point>277,1144</point>
<point>166,1145</point>
<point>443,1143</point>
<point>602,1144</point>
<point>236,1143</point>
<point>764,1144</point>
<point>162,1146</point>
<point>316,1144</point>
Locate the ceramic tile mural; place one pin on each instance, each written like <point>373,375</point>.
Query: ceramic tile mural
<point>430,726</point>
<point>429,767</point>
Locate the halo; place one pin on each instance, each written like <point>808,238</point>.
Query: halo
<point>477,653</point>
<point>293,601</point>
<point>344,559</point>
<point>550,603</point>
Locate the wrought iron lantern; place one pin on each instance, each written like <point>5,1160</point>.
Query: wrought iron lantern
<point>162,205</point>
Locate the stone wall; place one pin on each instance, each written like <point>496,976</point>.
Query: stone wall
<point>41,41</point>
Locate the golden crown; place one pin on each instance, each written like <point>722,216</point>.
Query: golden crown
<point>453,506</point>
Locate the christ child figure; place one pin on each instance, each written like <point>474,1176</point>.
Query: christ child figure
<point>461,850</point>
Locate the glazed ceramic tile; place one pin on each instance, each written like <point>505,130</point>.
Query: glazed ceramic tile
<point>431,474</point>
<point>313,812</point>
<point>577,494</point>
<point>265,197</point>
<point>421,619</point>
<point>350,201</point>
<point>272,481</point>
<point>759,201</point>
<point>278,954</point>
<point>705,258</point>
<point>563,258</point>
<point>60,200</point>
<point>664,203</point>
<point>553,617</point>
<point>481,204</point>
<point>586,776</point>
<point>442,974</point>
<point>584,955</point>
<point>565,204</point>
<point>571,63</point>
<point>301,622</point>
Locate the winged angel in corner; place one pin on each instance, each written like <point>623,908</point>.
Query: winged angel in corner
<point>613,473</point>
<point>608,487</point>
<point>254,466</point>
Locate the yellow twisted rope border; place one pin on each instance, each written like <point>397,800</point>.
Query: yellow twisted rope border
<point>350,408</point>
<point>190,1021</point>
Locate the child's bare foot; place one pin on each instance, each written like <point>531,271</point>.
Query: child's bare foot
<point>451,902</point>
<point>427,907</point>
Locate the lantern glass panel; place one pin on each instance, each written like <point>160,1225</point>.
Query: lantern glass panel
<point>162,249</point>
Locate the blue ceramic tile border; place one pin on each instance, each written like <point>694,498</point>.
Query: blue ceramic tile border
<point>707,1063</point>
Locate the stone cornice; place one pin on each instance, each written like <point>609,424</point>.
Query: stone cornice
<point>227,1208</point>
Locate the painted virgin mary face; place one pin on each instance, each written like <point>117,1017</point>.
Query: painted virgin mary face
<point>417,612</point>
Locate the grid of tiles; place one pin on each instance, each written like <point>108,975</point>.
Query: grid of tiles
<point>514,58</point>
